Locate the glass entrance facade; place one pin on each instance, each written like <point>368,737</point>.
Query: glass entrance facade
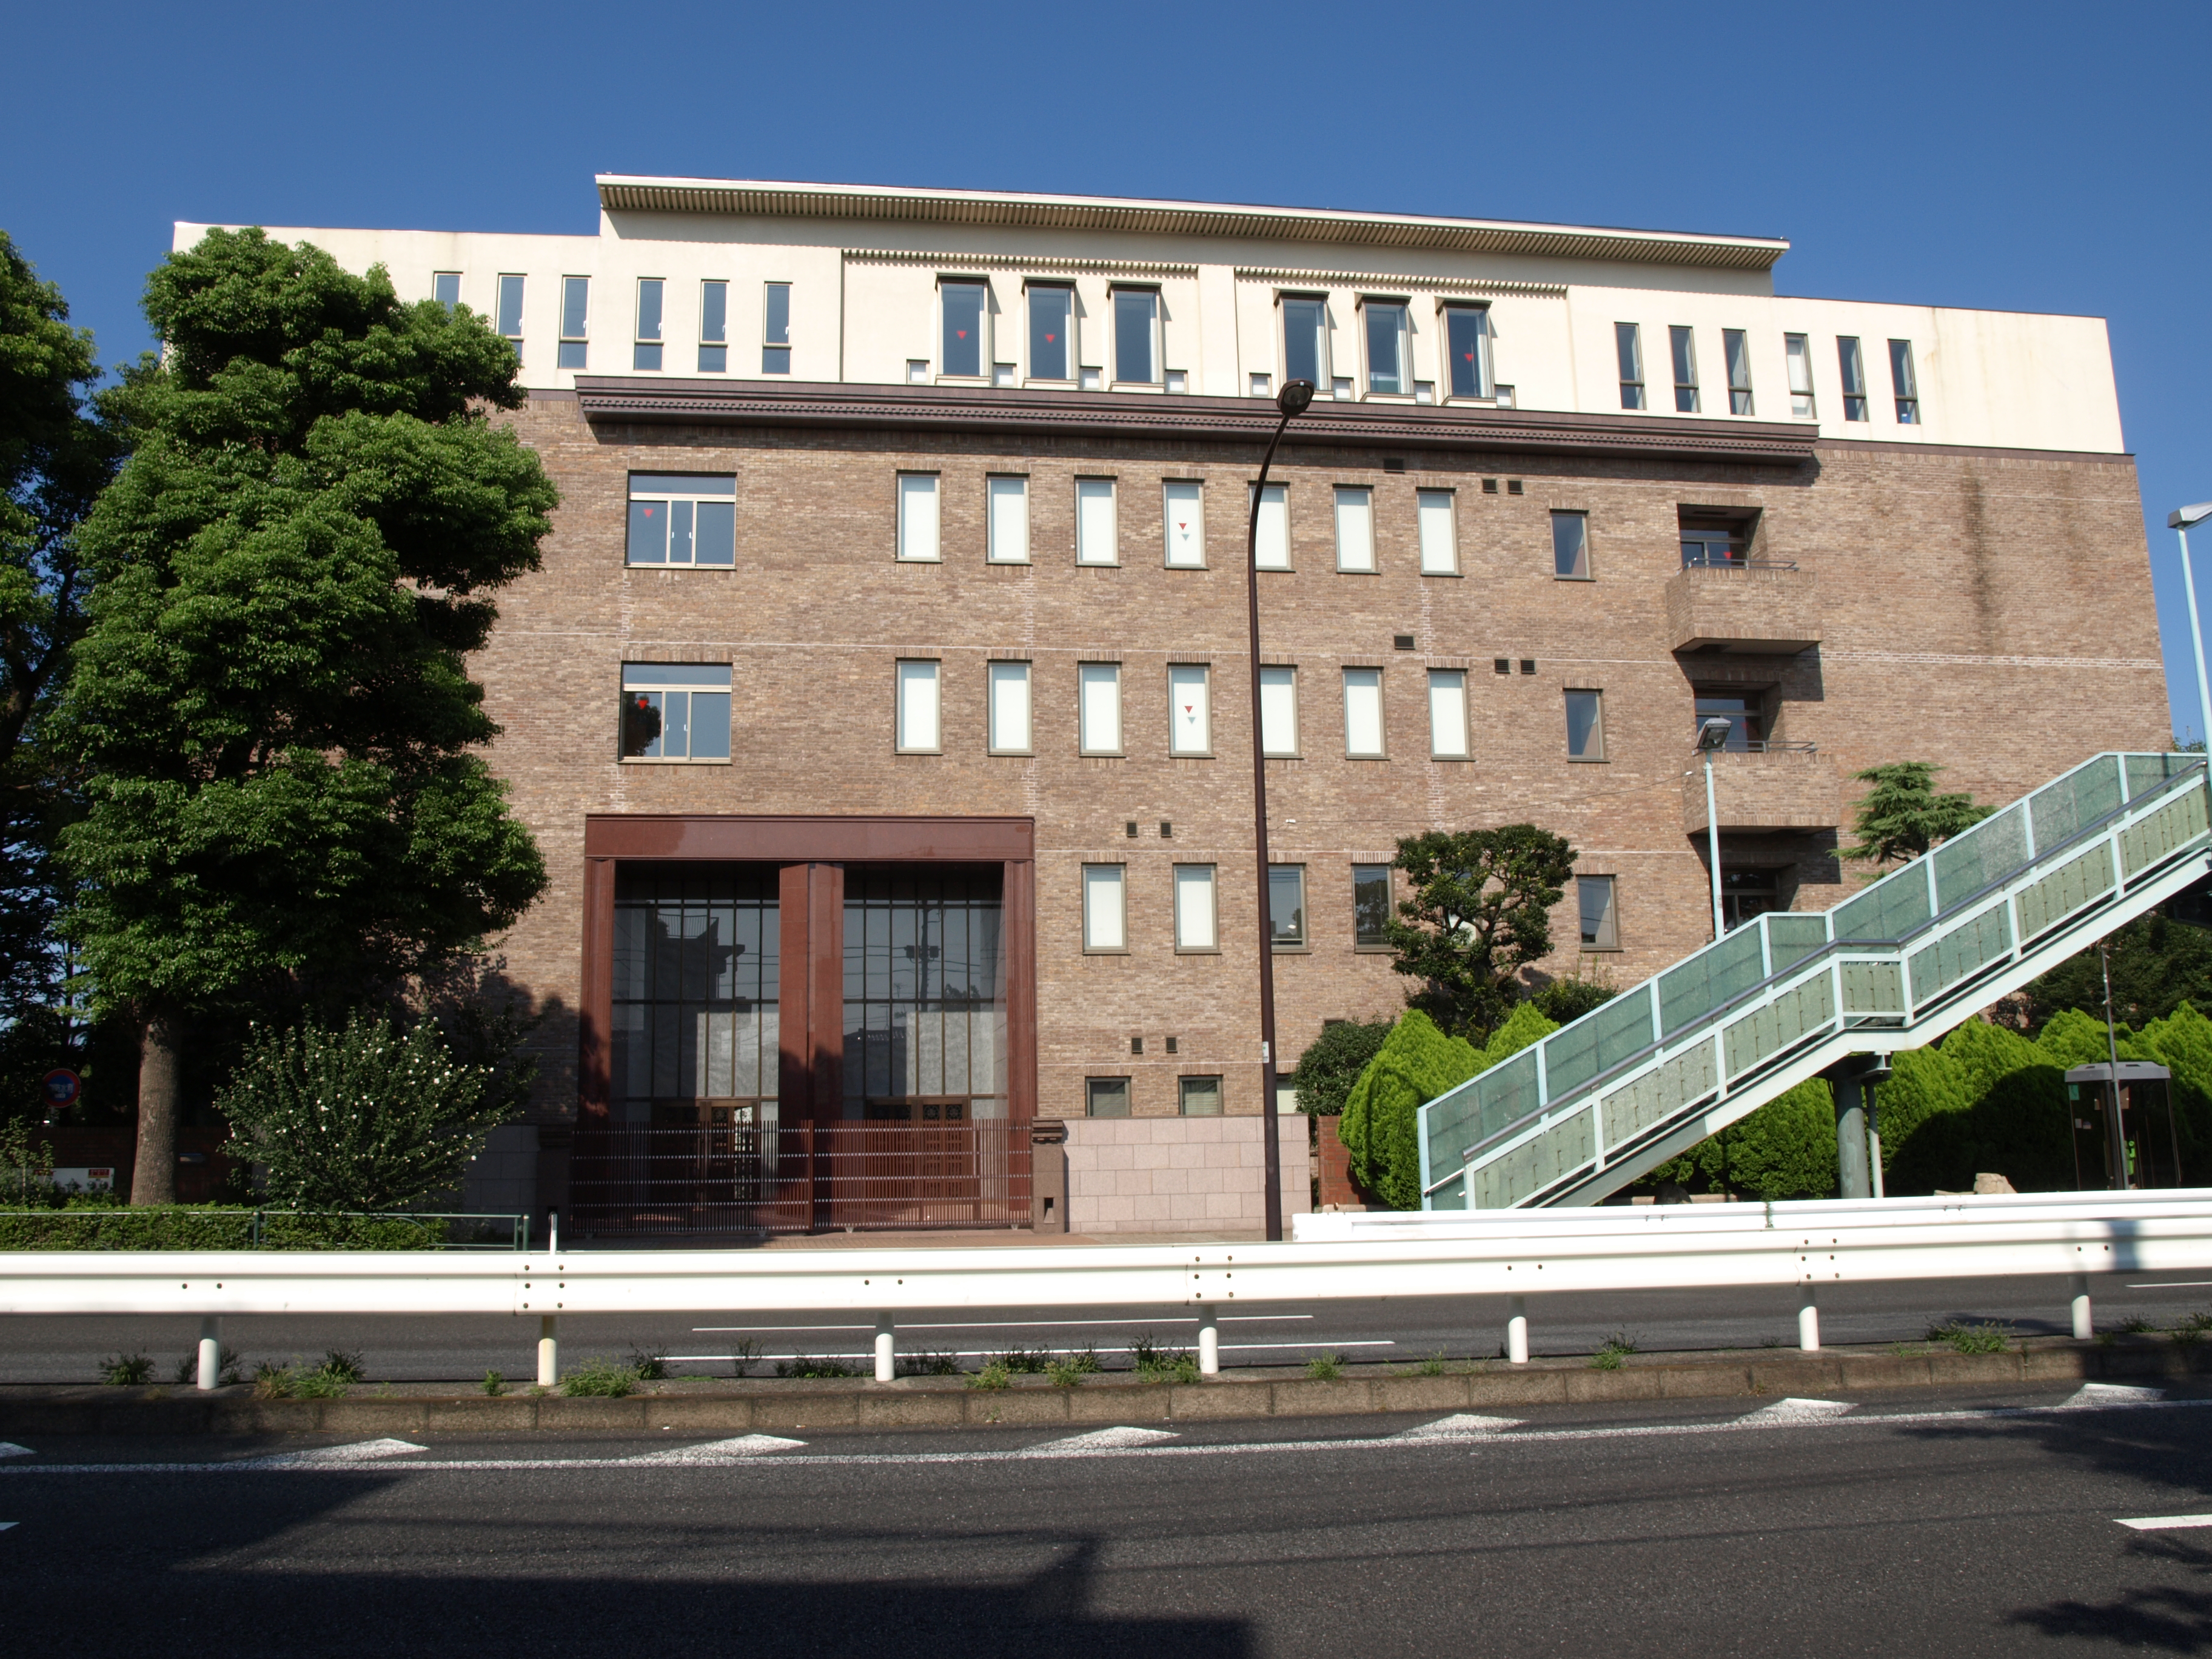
<point>695,967</point>
<point>925,1021</point>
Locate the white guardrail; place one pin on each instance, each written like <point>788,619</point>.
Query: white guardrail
<point>1366,1257</point>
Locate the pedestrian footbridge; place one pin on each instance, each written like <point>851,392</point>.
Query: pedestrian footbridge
<point>1657,1070</point>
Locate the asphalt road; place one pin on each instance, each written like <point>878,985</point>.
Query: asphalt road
<point>462,1349</point>
<point>1921,1525</point>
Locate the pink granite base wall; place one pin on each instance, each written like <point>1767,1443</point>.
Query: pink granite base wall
<point>1164,1174</point>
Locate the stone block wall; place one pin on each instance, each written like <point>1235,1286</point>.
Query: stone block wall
<point>1180,1175</point>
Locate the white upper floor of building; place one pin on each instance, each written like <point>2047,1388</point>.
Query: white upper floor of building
<point>731,281</point>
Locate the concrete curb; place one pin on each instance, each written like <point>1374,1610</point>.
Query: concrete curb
<point>764,1406</point>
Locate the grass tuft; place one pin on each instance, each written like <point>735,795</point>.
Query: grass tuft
<point>600,1379</point>
<point>994,1376</point>
<point>1325,1367</point>
<point>1985,1338</point>
<point>647,1367</point>
<point>126,1370</point>
<point>494,1383</point>
<point>801,1367</point>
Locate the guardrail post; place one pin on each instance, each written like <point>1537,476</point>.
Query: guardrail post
<point>211,1358</point>
<point>2084,1325</point>
<point>1209,1341</point>
<point>1808,1320</point>
<point>886,1349</point>
<point>549,1350</point>
<point>1516,1330</point>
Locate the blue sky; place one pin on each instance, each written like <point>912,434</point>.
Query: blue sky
<point>2021,157</point>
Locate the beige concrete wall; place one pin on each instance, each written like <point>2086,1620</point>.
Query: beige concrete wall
<point>1180,1175</point>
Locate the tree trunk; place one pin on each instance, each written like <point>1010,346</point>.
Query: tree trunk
<point>154,1176</point>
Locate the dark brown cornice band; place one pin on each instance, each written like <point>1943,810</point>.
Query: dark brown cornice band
<point>1139,416</point>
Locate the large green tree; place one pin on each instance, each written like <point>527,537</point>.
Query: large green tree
<point>285,800</point>
<point>1901,816</point>
<point>1479,911</point>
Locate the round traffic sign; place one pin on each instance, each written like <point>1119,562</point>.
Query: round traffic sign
<point>62,1086</point>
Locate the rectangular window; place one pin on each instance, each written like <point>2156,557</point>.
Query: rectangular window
<point>1106,1096</point>
<point>1052,325</point>
<point>1098,535</point>
<point>1903,383</point>
<point>445,288</point>
<point>917,516</point>
<point>1370,906</point>
<point>1098,707</point>
<point>963,305</point>
<point>1745,728</point>
<point>1628,346</point>
<point>1467,342</point>
<point>1104,919</point>
<point>1447,713</point>
<point>1714,538</point>
<point>1355,528</point>
<point>1194,907</point>
<point>714,328</point>
<point>510,310</point>
<point>1201,1097</point>
<point>1738,352</point>
<point>1136,320</point>
<point>1184,506</point>
<point>1440,534</point>
<point>1386,347</point>
<point>675,711</point>
<point>1749,893</point>
<point>1279,711</point>
<point>1585,725</point>
<point>776,328</point>
<point>683,519</point>
<point>917,708</point>
<point>1190,716</point>
<point>1009,696</point>
<point>1287,906</point>
<point>1272,551</point>
<point>1305,339</point>
<point>1685,353</point>
<point>1007,513</point>
<point>1363,712</point>
<point>645,353</point>
<point>1798,351</point>
<point>1600,929</point>
<point>1570,546</point>
<point>575,316</point>
<point>1853,367</point>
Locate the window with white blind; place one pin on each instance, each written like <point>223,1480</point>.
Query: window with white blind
<point>1098,531</point>
<point>1007,501</point>
<point>1797,349</point>
<point>1105,918</point>
<point>1098,707</point>
<point>917,516</point>
<point>575,317</point>
<point>1355,528</point>
<point>1271,552</point>
<point>917,708</point>
<point>683,519</point>
<point>1447,713</point>
<point>1439,534</point>
<point>1183,501</point>
<point>645,353</point>
<point>1278,710</point>
<point>714,328</point>
<point>1190,720</point>
<point>1194,926</point>
<point>673,711</point>
<point>1009,696</point>
<point>776,328</point>
<point>1363,712</point>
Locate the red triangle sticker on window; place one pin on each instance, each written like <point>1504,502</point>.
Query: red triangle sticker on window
<point>1049,338</point>
<point>960,333</point>
<point>650,511</point>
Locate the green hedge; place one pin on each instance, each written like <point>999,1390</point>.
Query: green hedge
<point>197,1227</point>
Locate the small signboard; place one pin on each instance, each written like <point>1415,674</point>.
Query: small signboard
<point>94,1179</point>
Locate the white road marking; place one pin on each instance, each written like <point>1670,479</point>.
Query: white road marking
<point>9,1448</point>
<point>1793,1410</point>
<point>2096,1396</point>
<point>722,1451</point>
<point>324,1457</point>
<point>993,1354</point>
<point>1007,1324</point>
<point>1461,1425</point>
<point>1100,1440</point>
<point>6,1525</point>
<point>2165,1523</point>
<point>2177,1284</point>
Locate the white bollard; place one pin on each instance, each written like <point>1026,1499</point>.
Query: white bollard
<point>2084,1326</point>
<point>1516,1330</point>
<point>210,1372</point>
<point>1808,1320</point>
<point>549,1350</point>
<point>1209,1343</point>
<point>886,1350</point>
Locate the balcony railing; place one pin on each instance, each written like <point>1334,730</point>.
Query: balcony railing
<point>1709,562</point>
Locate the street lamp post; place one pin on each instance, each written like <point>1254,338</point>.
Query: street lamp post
<point>2178,521</point>
<point>1292,400</point>
<point>1712,734</point>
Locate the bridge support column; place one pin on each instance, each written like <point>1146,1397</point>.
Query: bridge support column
<point>1209,1341</point>
<point>1516,1330</point>
<point>1808,1320</point>
<point>886,1349</point>
<point>549,1350</point>
<point>1851,1080</point>
<point>2085,1326</point>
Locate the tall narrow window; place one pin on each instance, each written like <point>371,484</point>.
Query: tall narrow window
<point>776,328</point>
<point>683,519</point>
<point>917,708</point>
<point>1136,321</point>
<point>1467,342</point>
<point>1008,512</point>
<point>1386,347</point>
<point>1194,907</point>
<point>1287,906</point>
<point>575,316</point>
<point>1278,710</point>
<point>1105,921</point>
<point>1904,383</point>
<point>1601,928</point>
<point>1685,353</point>
<point>1098,707</point>
<point>961,352</point>
<point>510,311</point>
<point>1570,547</point>
<point>1096,532</point>
<point>1305,339</point>
<point>1628,347</point>
<point>645,353</point>
<point>1447,713</point>
<point>1190,719</point>
<point>1440,534</point>
<point>1355,528</point>
<point>1853,366</point>
<point>675,711</point>
<point>1199,1097</point>
<point>1738,352</point>
<point>1009,694</point>
<point>1271,552</point>
<point>917,516</point>
<point>1585,725</point>
<point>445,288</point>
<point>1052,323</point>
<point>1183,503</point>
<point>1798,351</point>
<point>1371,907</point>
<point>714,328</point>
<point>1363,712</point>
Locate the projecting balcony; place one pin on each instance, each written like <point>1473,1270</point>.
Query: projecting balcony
<point>1770,786</point>
<point>1747,606</point>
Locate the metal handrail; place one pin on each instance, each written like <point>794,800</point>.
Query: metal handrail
<point>1769,746</point>
<point>1689,563</point>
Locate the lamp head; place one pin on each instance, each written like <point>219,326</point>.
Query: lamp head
<point>1713,734</point>
<point>1296,394</point>
<point>2182,518</point>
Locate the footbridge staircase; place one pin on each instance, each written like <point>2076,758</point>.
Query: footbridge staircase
<point>1783,998</point>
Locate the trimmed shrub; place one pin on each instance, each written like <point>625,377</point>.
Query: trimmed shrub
<point>1380,1131</point>
<point>1331,1064</point>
